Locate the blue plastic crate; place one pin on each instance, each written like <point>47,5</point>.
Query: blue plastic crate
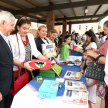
<point>75,53</point>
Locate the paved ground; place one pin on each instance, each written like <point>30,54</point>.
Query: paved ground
<point>98,101</point>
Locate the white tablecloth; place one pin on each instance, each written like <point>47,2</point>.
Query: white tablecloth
<point>27,97</point>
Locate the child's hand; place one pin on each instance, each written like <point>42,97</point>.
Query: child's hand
<point>92,49</point>
<point>87,86</point>
<point>55,48</point>
<point>76,49</point>
<point>58,63</point>
<point>72,42</point>
<point>82,71</point>
<point>70,49</point>
<point>81,66</point>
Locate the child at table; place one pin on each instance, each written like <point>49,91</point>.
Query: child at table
<point>91,84</point>
<point>83,61</point>
<point>66,47</point>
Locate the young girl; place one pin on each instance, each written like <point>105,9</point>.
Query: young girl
<point>83,61</point>
<point>91,84</point>
<point>66,47</point>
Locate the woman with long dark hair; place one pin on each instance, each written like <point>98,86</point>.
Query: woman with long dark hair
<point>103,38</point>
<point>101,86</point>
<point>91,39</point>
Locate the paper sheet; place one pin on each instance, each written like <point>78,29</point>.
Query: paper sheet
<point>60,79</point>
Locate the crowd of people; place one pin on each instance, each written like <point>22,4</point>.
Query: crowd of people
<point>17,45</point>
<point>93,46</point>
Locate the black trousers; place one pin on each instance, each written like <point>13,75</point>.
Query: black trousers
<point>6,101</point>
<point>106,98</point>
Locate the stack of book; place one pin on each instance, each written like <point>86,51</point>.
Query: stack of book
<point>75,85</point>
<point>75,92</point>
<point>73,75</point>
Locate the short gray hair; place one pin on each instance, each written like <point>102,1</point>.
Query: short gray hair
<point>7,16</point>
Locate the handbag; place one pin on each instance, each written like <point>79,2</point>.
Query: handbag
<point>21,78</point>
<point>95,70</point>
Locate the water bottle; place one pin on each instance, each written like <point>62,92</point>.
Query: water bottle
<point>71,46</point>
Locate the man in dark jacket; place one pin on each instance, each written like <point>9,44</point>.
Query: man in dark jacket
<point>7,21</point>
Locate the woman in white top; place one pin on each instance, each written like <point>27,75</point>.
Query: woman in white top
<point>23,45</point>
<point>103,38</point>
<point>91,39</point>
<point>51,38</point>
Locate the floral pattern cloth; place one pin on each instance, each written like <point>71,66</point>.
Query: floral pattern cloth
<point>101,86</point>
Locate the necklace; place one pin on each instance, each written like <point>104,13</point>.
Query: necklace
<point>26,41</point>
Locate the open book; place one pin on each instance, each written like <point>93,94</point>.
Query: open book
<point>49,50</point>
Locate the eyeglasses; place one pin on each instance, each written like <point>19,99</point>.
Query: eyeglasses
<point>24,18</point>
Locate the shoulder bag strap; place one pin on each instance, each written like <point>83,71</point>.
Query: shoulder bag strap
<point>47,40</point>
<point>99,57</point>
<point>18,44</point>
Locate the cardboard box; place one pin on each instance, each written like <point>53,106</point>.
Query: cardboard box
<point>48,89</point>
<point>40,64</point>
<point>47,73</point>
